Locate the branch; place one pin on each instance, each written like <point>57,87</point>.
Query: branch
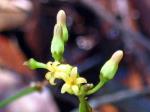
<point>36,88</point>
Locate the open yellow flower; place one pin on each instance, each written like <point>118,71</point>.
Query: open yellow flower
<point>73,82</point>
<point>51,75</point>
<point>57,71</point>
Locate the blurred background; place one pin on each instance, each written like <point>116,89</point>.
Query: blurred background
<point>97,28</point>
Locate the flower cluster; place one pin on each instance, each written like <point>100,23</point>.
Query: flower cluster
<point>66,73</point>
<point>73,83</point>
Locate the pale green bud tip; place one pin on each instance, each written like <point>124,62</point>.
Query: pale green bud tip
<point>33,64</point>
<point>110,68</point>
<point>57,31</point>
<point>117,56</point>
<point>61,20</point>
<point>61,17</point>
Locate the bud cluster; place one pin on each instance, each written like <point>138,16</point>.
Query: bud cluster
<point>60,36</point>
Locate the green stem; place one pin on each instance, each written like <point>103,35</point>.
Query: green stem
<point>96,88</point>
<point>84,106</point>
<point>22,93</point>
<point>41,65</point>
<point>33,64</point>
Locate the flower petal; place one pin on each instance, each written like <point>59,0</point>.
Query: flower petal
<point>61,75</point>
<point>64,67</point>
<point>65,88</point>
<point>48,75</point>
<point>56,63</point>
<point>74,72</point>
<point>52,81</point>
<point>50,68</point>
<point>75,89</point>
<point>81,80</point>
<point>49,64</point>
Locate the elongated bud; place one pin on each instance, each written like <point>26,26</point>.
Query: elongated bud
<point>110,68</point>
<point>61,20</point>
<point>33,64</point>
<point>57,33</point>
<point>57,45</point>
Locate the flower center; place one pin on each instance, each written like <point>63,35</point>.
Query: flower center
<point>71,81</point>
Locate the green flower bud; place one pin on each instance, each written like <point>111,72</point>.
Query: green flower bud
<point>110,68</point>
<point>61,19</point>
<point>57,45</point>
<point>33,64</point>
<point>65,33</point>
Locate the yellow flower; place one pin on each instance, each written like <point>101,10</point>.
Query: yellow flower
<point>73,82</point>
<point>57,71</point>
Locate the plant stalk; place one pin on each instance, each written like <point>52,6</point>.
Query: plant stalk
<point>96,88</point>
<point>84,106</point>
<point>18,95</point>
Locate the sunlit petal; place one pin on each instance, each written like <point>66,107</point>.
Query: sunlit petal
<point>81,80</point>
<point>65,88</point>
<point>73,72</point>
<point>50,68</point>
<point>64,67</point>
<point>48,75</point>
<point>52,81</point>
<point>56,63</point>
<point>75,89</point>
<point>49,64</point>
<point>61,75</point>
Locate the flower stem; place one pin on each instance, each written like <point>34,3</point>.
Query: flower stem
<point>33,64</point>
<point>22,93</point>
<point>96,88</point>
<point>84,106</point>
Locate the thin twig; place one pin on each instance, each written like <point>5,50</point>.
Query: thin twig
<point>35,88</point>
